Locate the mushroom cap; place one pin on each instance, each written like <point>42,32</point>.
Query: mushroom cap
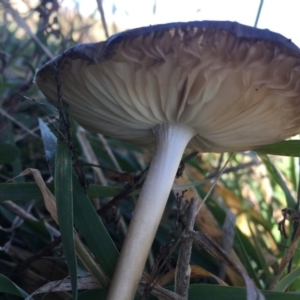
<point>238,87</point>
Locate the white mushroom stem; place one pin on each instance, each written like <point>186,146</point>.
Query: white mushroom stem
<point>171,141</point>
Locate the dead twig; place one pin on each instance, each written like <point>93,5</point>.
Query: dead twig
<point>8,116</point>
<point>162,293</point>
<point>102,14</point>
<point>183,269</point>
<point>127,191</point>
<point>215,250</point>
<point>286,259</point>
<point>37,256</point>
<point>19,211</point>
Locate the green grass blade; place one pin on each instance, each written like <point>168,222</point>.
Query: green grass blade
<point>276,177</point>
<point>21,191</point>
<point>64,203</point>
<point>8,287</point>
<point>49,140</point>
<point>85,217</point>
<point>205,292</point>
<point>285,148</point>
<point>293,172</point>
<point>243,247</point>
<point>16,164</point>
<point>8,153</point>
<point>92,229</point>
<point>210,291</point>
<point>30,190</point>
<point>284,283</point>
<point>258,248</point>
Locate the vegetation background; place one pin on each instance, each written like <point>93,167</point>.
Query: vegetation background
<point>241,214</point>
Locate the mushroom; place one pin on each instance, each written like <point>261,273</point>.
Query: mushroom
<point>214,86</point>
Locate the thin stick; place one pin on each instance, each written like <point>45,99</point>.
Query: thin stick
<point>101,10</point>
<point>258,13</point>
<point>213,175</point>
<point>22,23</point>
<point>285,260</point>
<point>4,113</point>
<point>19,211</point>
<point>89,154</point>
<point>183,269</point>
<point>109,152</point>
<point>215,182</point>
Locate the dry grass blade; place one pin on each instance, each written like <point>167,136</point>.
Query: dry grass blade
<point>89,154</point>
<point>90,264</point>
<point>196,272</point>
<point>49,199</point>
<point>215,250</point>
<point>18,221</point>
<point>84,283</point>
<point>199,272</point>
<point>228,237</point>
<point>47,288</point>
<point>82,253</point>
<point>161,293</point>
<point>27,216</point>
<point>109,152</point>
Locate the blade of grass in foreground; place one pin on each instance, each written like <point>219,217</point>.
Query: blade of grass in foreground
<point>85,217</point>
<point>245,251</point>
<point>285,282</point>
<point>8,153</point>
<point>258,249</point>
<point>276,177</point>
<point>29,190</point>
<point>233,293</point>
<point>285,148</point>
<point>205,292</point>
<point>64,204</point>
<point>8,287</point>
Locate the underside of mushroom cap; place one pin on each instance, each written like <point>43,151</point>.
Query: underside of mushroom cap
<point>237,86</point>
